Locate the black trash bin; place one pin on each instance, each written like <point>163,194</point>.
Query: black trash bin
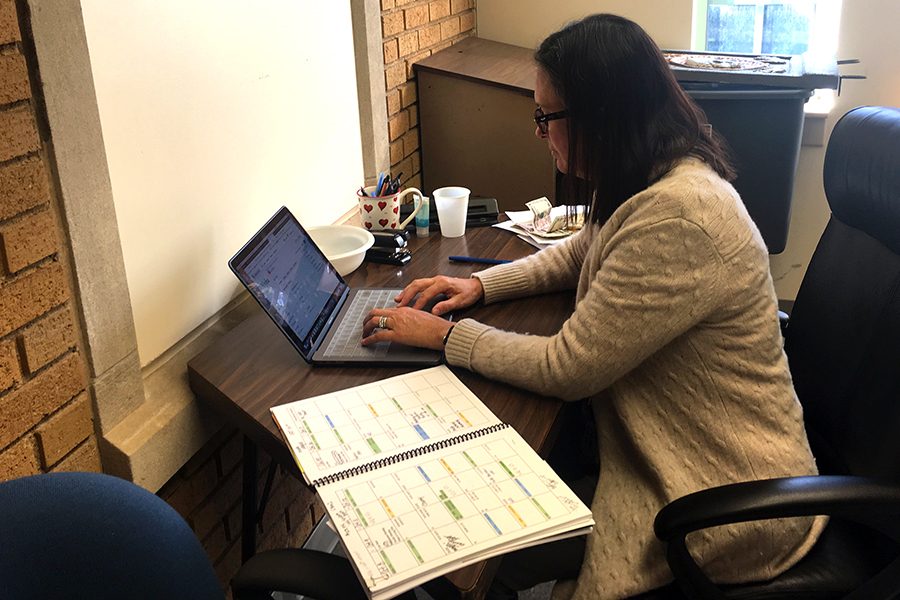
<point>763,127</point>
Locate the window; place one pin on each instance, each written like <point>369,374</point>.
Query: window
<point>767,26</point>
<point>770,27</point>
<point>758,28</point>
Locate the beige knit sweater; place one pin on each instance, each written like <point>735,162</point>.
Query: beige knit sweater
<point>675,338</point>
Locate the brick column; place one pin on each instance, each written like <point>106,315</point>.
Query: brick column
<point>46,421</point>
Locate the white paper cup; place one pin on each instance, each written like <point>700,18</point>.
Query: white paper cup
<point>452,205</point>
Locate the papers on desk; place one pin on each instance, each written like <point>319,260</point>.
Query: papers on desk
<point>420,478</point>
<point>521,223</point>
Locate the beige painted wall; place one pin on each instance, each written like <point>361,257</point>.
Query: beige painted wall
<point>868,32</point>
<point>527,22</point>
<point>214,114</point>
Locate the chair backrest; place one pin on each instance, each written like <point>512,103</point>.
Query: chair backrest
<point>843,340</point>
<point>88,535</point>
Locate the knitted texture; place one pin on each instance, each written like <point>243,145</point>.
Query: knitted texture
<point>675,339</point>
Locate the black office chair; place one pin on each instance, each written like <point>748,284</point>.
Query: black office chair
<point>843,346</point>
<point>89,535</point>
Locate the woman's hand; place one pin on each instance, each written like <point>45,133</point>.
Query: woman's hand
<point>460,293</point>
<point>406,325</point>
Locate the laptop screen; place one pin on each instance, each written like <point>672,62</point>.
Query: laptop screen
<point>291,278</point>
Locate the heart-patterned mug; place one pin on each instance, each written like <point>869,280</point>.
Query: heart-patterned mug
<point>383,212</point>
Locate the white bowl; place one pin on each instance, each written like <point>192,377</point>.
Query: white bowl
<point>344,245</point>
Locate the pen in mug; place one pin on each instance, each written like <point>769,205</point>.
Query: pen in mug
<point>476,259</point>
<point>394,187</point>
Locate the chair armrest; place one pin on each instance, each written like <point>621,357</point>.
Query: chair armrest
<point>305,572</point>
<point>854,498</point>
<point>866,501</point>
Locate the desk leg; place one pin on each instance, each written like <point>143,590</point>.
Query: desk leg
<point>248,502</point>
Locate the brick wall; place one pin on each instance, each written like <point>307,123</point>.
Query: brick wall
<point>413,30</point>
<point>46,423</point>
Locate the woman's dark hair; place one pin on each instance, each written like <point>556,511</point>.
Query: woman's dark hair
<point>629,120</point>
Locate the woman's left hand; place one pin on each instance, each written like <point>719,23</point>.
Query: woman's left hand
<point>405,325</point>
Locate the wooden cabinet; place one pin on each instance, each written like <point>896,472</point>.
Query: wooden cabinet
<point>476,109</point>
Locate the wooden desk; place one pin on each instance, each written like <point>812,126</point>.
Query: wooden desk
<point>253,368</point>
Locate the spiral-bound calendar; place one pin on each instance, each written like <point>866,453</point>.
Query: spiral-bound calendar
<point>420,478</point>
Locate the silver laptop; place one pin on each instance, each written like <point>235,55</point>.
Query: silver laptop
<point>311,303</point>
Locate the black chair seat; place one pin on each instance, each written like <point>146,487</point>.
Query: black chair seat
<point>845,556</point>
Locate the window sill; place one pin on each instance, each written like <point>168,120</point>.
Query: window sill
<point>150,444</point>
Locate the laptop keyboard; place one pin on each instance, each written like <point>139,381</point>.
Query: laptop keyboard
<point>345,342</point>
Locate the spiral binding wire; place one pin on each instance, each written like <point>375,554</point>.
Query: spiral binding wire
<point>396,458</point>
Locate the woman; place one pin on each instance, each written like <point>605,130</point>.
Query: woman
<point>673,337</point>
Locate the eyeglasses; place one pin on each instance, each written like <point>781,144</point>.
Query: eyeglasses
<point>541,119</point>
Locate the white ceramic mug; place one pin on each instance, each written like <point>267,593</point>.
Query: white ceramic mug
<point>383,212</point>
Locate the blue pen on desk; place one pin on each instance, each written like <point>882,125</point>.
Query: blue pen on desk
<point>476,259</point>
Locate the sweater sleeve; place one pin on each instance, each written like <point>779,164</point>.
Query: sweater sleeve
<point>552,269</point>
<point>653,283</point>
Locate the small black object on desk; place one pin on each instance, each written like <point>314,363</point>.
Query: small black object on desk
<point>390,256</point>
<point>390,238</point>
